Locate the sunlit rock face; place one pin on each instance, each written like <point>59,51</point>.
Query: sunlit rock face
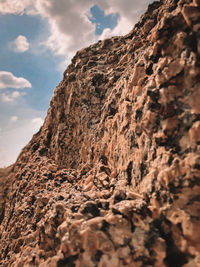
<point>112,177</point>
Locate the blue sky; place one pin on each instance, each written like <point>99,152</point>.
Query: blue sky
<point>101,20</point>
<point>38,67</point>
<point>37,42</point>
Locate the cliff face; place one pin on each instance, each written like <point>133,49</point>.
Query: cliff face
<point>112,177</point>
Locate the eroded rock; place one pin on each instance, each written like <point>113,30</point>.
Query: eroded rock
<point>112,177</point>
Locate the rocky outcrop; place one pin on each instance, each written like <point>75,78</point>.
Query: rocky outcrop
<point>112,177</point>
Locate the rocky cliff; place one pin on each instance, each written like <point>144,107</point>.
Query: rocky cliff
<point>113,176</point>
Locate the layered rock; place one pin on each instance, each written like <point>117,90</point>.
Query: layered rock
<point>112,177</point>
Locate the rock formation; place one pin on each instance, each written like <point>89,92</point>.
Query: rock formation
<point>112,177</point>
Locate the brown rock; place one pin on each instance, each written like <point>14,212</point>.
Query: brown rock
<point>112,177</point>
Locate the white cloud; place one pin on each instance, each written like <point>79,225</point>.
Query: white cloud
<point>15,6</point>
<point>123,27</point>
<point>127,8</point>
<point>14,119</point>
<point>8,80</point>
<point>37,123</point>
<point>10,97</point>
<point>20,44</point>
<point>129,12</point>
<point>70,28</point>
<point>69,25</point>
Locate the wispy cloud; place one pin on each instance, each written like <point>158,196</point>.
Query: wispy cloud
<point>20,44</point>
<point>8,80</point>
<point>13,119</point>
<point>10,97</point>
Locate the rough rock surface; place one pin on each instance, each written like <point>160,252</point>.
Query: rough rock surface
<point>113,176</point>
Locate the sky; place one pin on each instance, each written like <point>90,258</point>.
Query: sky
<point>38,39</point>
